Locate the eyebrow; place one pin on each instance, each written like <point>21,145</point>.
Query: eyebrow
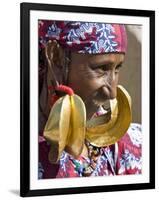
<point>109,64</point>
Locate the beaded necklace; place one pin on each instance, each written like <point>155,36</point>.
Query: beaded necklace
<point>87,168</point>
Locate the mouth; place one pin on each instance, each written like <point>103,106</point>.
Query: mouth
<point>98,102</point>
<point>97,99</point>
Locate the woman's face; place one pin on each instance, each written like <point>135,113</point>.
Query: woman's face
<point>95,77</point>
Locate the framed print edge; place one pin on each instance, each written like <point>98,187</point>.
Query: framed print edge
<point>24,106</point>
<point>152,99</point>
<point>25,189</point>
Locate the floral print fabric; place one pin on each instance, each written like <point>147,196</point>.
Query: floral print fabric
<point>84,37</point>
<point>121,158</point>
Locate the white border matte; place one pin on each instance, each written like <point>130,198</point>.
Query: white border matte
<point>91,181</point>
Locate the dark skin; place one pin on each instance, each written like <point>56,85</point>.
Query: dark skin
<point>95,78</point>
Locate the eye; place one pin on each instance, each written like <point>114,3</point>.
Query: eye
<point>100,68</point>
<point>117,69</point>
<point>104,67</point>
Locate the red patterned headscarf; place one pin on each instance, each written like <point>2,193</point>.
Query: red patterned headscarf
<point>84,37</point>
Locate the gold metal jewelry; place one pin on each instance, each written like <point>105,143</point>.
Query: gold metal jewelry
<point>66,128</point>
<point>110,132</point>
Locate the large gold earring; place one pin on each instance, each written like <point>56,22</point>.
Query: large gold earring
<point>65,128</point>
<point>110,132</point>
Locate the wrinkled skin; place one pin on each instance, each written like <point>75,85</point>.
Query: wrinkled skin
<point>95,78</point>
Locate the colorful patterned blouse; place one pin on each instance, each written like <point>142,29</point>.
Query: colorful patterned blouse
<point>121,158</point>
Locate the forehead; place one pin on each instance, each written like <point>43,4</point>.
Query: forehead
<point>98,58</point>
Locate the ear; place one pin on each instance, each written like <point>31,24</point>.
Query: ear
<point>55,56</point>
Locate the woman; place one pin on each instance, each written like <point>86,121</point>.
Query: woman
<point>84,115</point>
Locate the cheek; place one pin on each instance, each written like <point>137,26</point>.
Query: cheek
<point>84,84</point>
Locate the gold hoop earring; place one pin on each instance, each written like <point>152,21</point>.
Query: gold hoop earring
<point>110,132</point>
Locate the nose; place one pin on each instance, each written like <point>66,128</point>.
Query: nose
<point>113,82</point>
